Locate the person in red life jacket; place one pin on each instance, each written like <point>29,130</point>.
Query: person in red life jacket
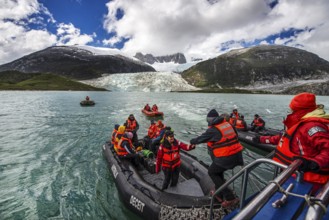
<point>87,98</point>
<point>257,124</point>
<point>240,124</point>
<point>147,107</point>
<point>306,137</point>
<point>225,151</point>
<point>168,158</point>
<point>234,116</point>
<point>151,133</point>
<point>152,130</point>
<point>155,142</point>
<point>154,108</point>
<point>132,125</point>
<point>114,133</point>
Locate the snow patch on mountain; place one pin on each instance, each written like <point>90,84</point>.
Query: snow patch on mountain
<point>281,86</point>
<point>146,82</point>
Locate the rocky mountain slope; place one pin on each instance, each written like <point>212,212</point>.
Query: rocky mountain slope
<point>75,63</point>
<point>261,67</point>
<point>150,59</point>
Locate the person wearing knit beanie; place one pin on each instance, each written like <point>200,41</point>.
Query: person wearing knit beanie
<point>212,114</point>
<point>303,101</point>
<point>306,138</point>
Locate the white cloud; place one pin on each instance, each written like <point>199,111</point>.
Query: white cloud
<point>18,39</point>
<point>198,28</point>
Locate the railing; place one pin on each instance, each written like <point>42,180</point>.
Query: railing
<point>253,207</point>
<point>318,209</point>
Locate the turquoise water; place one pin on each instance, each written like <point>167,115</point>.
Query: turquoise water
<point>51,162</point>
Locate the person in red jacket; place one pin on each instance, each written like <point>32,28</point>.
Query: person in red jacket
<point>168,158</point>
<point>147,107</point>
<point>306,137</point>
<point>154,108</point>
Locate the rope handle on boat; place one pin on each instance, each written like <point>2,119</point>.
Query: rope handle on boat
<point>309,199</point>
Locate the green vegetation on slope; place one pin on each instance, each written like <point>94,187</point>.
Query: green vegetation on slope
<point>14,80</point>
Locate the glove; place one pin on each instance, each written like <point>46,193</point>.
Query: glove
<point>308,165</point>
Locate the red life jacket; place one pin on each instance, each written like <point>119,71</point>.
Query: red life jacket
<point>228,144</point>
<point>157,134</point>
<point>257,122</point>
<point>285,156</point>
<point>131,125</point>
<point>171,157</point>
<point>154,108</point>
<point>152,131</point>
<point>239,124</point>
<point>121,151</point>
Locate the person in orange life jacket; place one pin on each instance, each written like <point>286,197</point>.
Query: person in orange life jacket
<point>306,137</point>
<point>155,142</point>
<point>240,124</point>
<point>147,107</point>
<point>168,158</point>
<point>234,116</point>
<point>154,108</point>
<point>225,152</point>
<point>127,150</point>
<point>118,135</point>
<point>257,124</point>
<point>132,126</point>
<point>114,133</point>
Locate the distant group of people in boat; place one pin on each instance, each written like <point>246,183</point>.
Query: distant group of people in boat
<point>306,138</point>
<point>237,120</point>
<point>153,109</point>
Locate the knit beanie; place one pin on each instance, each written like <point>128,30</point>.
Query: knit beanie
<point>304,101</point>
<point>212,114</point>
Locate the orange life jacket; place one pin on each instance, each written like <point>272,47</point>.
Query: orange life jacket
<point>131,125</point>
<point>152,131</point>
<point>121,151</point>
<point>171,157</point>
<point>239,124</point>
<point>228,144</point>
<point>257,122</point>
<point>285,156</point>
<point>232,120</point>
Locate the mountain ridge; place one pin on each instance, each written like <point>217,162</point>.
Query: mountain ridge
<point>75,63</point>
<point>257,66</point>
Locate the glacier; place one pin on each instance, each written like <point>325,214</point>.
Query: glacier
<point>143,82</point>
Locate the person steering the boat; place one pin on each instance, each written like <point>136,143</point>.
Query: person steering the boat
<point>132,125</point>
<point>306,137</point>
<point>168,158</point>
<point>225,151</point>
<point>147,107</point>
<point>258,124</point>
<point>154,108</point>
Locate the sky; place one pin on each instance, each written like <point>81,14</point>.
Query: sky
<point>198,28</point>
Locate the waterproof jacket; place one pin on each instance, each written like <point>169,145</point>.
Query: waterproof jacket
<point>125,146</point>
<point>308,139</point>
<point>168,156</point>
